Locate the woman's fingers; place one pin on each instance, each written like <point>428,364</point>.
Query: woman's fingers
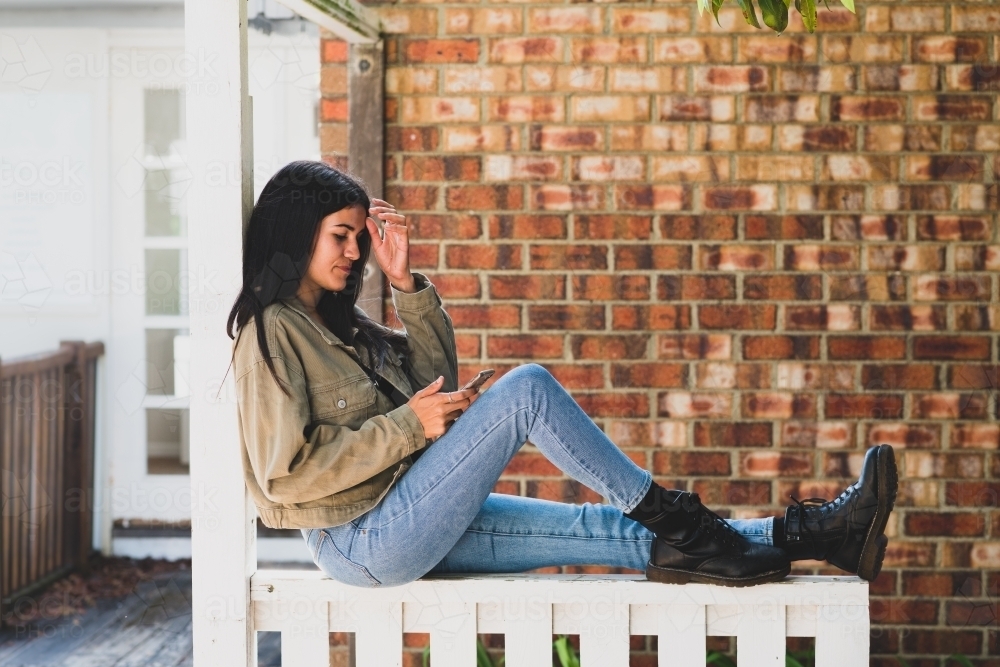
<point>462,397</point>
<point>432,388</point>
<point>395,227</point>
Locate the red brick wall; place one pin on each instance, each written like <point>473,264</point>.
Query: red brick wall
<point>748,256</point>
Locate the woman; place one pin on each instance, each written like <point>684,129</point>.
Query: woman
<point>358,434</point>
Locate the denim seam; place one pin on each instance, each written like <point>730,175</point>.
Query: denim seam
<point>638,499</point>
<point>560,536</point>
<point>357,566</point>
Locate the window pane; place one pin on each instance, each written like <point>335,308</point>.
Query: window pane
<point>160,360</point>
<point>167,441</point>
<point>164,120</point>
<point>164,191</point>
<point>166,282</point>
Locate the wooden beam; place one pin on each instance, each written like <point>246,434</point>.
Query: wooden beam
<point>349,20</point>
<point>219,137</point>
<point>366,145</point>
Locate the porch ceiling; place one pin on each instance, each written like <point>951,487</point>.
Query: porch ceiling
<point>347,19</point>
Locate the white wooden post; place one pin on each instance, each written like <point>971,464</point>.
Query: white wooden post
<point>453,625</point>
<point>843,635</point>
<point>378,630</point>
<point>219,145</point>
<point>681,630</point>
<point>307,644</point>
<point>760,639</point>
<point>604,633</point>
<point>528,621</point>
<point>220,155</point>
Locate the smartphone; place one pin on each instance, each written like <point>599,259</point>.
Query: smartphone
<point>477,382</point>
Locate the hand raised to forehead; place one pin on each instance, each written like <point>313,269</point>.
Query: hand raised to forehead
<point>392,247</point>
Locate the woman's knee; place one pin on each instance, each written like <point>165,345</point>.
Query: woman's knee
<point>528,374</point>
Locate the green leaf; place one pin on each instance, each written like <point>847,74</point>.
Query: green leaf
<point>563,651</point>
<point>961,659</point>
<point>720,659</point>
<point>808,10</point>
<point>806,657</point>
<point>716,5</point>
<point>749,13</point>
<point>426,656</point>
<point>574,659</point>
<point>775,14</point>
<point>483,658</point>
<point>902,663</point>
<point>849,4</point>
<point>792,662</point>
<point>702,6</point>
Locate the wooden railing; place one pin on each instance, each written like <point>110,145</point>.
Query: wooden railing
<point>604,610</point>
<point>47,410</point>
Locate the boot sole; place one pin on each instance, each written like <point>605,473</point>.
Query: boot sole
<point>873,551</point>
<point>670,576</point>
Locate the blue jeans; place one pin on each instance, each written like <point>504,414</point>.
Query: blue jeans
<point>441,515</point>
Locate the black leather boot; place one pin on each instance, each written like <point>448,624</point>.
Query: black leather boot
<point>696,545</point>
<point>847,531</point>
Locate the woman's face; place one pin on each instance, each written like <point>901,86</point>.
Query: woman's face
<point>335,250</point>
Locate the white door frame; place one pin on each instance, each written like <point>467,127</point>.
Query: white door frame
<point>139,495</point>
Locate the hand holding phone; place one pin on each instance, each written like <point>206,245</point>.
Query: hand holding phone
<point>477,382</point>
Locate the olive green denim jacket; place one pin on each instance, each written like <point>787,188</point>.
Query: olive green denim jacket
<point>332,450</point>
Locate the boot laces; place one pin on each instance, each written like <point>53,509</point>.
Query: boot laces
<point>718,528</point>
<point>805,505</point>
<point>809,504</point>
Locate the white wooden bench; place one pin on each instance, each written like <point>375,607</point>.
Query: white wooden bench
<point>305,606</point>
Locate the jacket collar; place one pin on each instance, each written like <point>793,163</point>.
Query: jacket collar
<point>294,303</point>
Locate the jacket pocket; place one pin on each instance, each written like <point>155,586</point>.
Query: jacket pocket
<point>342,400</point>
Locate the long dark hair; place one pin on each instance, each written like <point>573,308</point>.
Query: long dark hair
<point>277,249</point>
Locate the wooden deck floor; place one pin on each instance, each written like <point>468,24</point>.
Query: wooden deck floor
<point>151,627</point>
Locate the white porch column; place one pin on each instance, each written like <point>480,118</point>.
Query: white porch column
<point>219,138</point>
<point>219,148</point>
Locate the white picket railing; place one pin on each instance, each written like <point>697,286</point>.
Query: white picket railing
<point>305,606</point>
<point>230,600</point>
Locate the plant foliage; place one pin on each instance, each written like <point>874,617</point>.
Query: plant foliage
<point>773,12</point>
<point>567,657</point>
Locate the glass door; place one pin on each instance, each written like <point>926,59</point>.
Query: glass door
<point>165,321</point>
<point>150,289</point>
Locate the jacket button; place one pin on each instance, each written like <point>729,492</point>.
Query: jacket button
<point>341,404</point>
